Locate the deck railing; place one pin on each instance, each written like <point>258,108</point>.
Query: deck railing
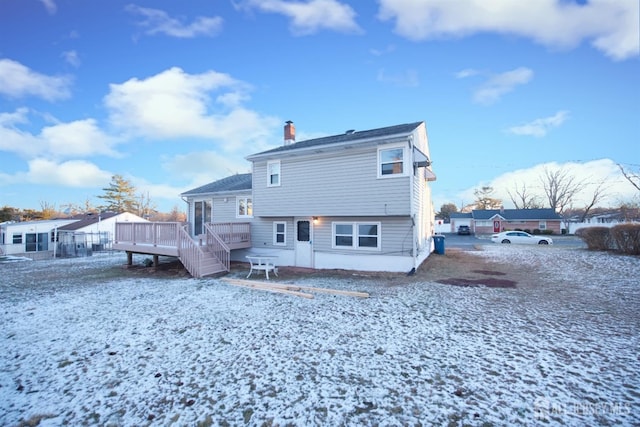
<point>190,251</point>
<point>157,237</point>
<point>232,232</point>
<point>218,247</point>
<point>148,233</point>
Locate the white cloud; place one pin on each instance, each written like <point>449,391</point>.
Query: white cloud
<point>591,174</point>
<point>467,72</point>
<point>380,52</point>
<point>408,78</point>
<point>50,5</point>
<point>71,56</point>
<point>80,138</point>
<point>157,21</point>
<point>500,84</point>
<point>176,104</point>
<point>611,26</point>
<point>17,117</point>
<point>73,173</point>
<point>540,127</point>
<point>311,16</point>
<point>202,167</point>
<point>18,81</point>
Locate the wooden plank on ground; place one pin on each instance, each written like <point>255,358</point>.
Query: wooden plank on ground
<point>268,288</point>
<point>296,287</point>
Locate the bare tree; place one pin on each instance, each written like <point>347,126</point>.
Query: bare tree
<point>523,199</point>
<point>484,200</point>
<point>560,188</point>
<point>48,210</point>
<point>632,177</point>
<point>598,194</point>
<point>145,205</point>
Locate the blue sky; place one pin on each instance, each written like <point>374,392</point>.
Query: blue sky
<point>173,95</point>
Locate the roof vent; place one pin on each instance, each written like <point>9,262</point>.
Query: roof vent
<point>350,131</point>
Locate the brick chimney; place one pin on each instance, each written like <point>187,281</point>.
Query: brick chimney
<point>289,133</point>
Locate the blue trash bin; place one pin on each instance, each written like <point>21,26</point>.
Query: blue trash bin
<point>438,240</point>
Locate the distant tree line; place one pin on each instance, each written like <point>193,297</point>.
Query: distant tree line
<point>560,190</point>
<point>120,196</point>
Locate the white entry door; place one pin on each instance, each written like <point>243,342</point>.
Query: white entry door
<point>304,242</point>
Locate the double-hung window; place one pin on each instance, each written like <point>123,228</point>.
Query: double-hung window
<point>356,235</point>
<point>280,233</point>
<point>391,161</point>
<point>244,207</point>
<point>273,173</point>
<point>17,238</point>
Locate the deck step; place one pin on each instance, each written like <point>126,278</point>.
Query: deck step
<point>210,266</point>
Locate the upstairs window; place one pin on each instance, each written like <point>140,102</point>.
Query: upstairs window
<point>244,207</point>
<point>273,174</point>
<point>391,161</point>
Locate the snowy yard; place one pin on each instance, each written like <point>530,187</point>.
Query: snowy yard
<point>105,346</point>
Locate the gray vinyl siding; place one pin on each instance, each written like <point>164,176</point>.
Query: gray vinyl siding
<point>224,207</point>
<point>396,235</point>
<point>262,233</point>
<point>344,183</point>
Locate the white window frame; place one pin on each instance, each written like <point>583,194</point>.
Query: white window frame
<point>542,225</point>
<point>274,164</point>
<point>405,168</point>
<point>247,200</point>
<point>276,232</point>
<point>356,236</point>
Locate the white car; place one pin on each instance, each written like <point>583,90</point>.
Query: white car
<point>520,237</point>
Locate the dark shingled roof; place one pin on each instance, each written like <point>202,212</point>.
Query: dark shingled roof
<point>236,182</point>
<point>457,215</point>
<point>516,214</point>
<point>343,137</point>
<point>86,220</point>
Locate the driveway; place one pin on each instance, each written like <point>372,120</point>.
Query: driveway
<point>453,240</point>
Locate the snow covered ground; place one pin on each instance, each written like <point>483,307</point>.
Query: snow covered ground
<point>107,347</point>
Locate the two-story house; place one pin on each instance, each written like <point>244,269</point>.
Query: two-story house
<point>358,200</point>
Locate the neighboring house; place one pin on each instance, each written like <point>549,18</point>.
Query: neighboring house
<point>602,219</point>
<point>495,220</point>
<point>357,200</point>
<point>32,239</point>
<point>91,232</point>
<point>74,236</point>
<point>456,219</point>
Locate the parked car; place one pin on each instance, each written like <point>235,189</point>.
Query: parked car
<point>520,237</point>
<point>464,229</point>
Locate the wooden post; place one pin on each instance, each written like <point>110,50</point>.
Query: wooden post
<point>155,261</point>
<point>129,258</point>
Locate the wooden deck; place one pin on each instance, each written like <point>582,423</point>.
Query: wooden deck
<point>203,255</point>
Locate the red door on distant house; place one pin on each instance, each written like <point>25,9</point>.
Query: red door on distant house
<point>496,226</point>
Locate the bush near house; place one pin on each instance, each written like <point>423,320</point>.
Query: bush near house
<point>623,237</point>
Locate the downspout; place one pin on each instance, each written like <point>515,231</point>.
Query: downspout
<point>55,241</point>
<point>414,246</point>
